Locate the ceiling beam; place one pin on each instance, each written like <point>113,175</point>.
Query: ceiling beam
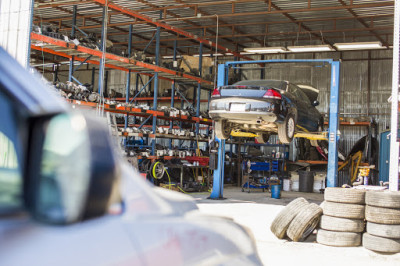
<point>301,25</point>
<point>363,23</point>
<point>241,24</point>
<point>168,27</point>
<point>166,12</point>
<point>220,22</point>
<point>389,28</point>
<point>297,10</point>
<point>260,13</point>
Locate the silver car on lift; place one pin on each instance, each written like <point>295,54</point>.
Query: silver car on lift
<point>59,175</point>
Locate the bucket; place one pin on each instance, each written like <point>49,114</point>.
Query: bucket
<point>276,191</point>
<point>306,181</point>
<point>286,184</point>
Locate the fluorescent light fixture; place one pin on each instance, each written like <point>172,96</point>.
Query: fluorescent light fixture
<point>171,56</point>
<point>310,48</point>
<point>246,53</point>
<point>265,50</point>
<point>358,45</point>
<point>208,55</point>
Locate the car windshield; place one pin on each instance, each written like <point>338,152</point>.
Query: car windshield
<point>278,84</point>
<point>10,169</point>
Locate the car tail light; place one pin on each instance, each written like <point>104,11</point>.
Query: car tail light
<point>272,94</point>
<point>216,93</point>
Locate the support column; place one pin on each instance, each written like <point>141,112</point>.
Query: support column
<point>198,94</point>
<point>93,76</point>
<point>71,61</point>
<point>153,142</point>
<point>218,183</point>
<point>71,68</point>
<point>171,126</point>
<point>333,125</point>
<point>128,76</point>
<point>102,49</point>
<point>394,144</point>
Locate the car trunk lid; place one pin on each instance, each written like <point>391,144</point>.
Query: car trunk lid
<point>249,91</point>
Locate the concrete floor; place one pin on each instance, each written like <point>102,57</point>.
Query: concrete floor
<point>257,210</point>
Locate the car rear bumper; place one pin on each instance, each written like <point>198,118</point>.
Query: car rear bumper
<point>244,110</point>
<point>245,118</point>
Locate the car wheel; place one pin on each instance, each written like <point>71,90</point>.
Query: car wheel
<point>262,138</point>
<point>286,129</point>
<point>222,131</point>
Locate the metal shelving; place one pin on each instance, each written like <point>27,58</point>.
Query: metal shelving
<point>66,49</point>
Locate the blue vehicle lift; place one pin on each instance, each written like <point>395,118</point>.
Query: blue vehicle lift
<point>223,70</point>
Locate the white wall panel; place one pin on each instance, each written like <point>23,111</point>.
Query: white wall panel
<point>15,16</point>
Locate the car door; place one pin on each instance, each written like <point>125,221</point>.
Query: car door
<point>309,112</point>
<point>302,107</point>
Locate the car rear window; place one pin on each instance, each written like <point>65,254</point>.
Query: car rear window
<point>279,84</point>
<point>244,87</point>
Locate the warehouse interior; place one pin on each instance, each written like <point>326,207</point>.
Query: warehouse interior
<point>162,75</point>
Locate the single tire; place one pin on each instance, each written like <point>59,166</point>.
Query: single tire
<point>381,244</point>
<point>345,195</point>
<point>384,230</point>
<point>386,199</point>
<point>157,170</point>
<point>286,129</point>
<point>262,138</point>
<point>341,224</point>
<point>344,210</point>
<point>304,223</point>
<point>222,131</point>
<point>338,239</point>
<point>284,218</point>
<point>382,215</point>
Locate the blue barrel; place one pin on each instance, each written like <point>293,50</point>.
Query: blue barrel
<point>276,191</point>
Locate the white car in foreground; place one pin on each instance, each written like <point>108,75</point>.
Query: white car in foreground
<point>59,175</point>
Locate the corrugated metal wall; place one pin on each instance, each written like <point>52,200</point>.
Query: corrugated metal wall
<point>361,94</point>
<point>15,16</point>
<point>365,85</point>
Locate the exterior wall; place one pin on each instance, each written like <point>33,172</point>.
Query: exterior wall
<point>15,17</point>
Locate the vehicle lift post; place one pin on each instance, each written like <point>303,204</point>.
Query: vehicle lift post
<point>223,70</point>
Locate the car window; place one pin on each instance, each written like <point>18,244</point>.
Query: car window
<point>10,166</point>
<point>298,93</point>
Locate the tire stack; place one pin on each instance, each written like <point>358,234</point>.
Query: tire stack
<point>342,222</point>
<point>297,220</point>
<point>383,221</point>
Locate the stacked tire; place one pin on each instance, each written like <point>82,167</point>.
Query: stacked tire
<point>342,222</point>
<point>383,221</point>
<point>297,220</point>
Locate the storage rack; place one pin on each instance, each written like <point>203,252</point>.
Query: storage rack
<point>87,55</point>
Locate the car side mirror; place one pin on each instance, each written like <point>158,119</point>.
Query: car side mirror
<point>315,103</point>
<point>74,169</point>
